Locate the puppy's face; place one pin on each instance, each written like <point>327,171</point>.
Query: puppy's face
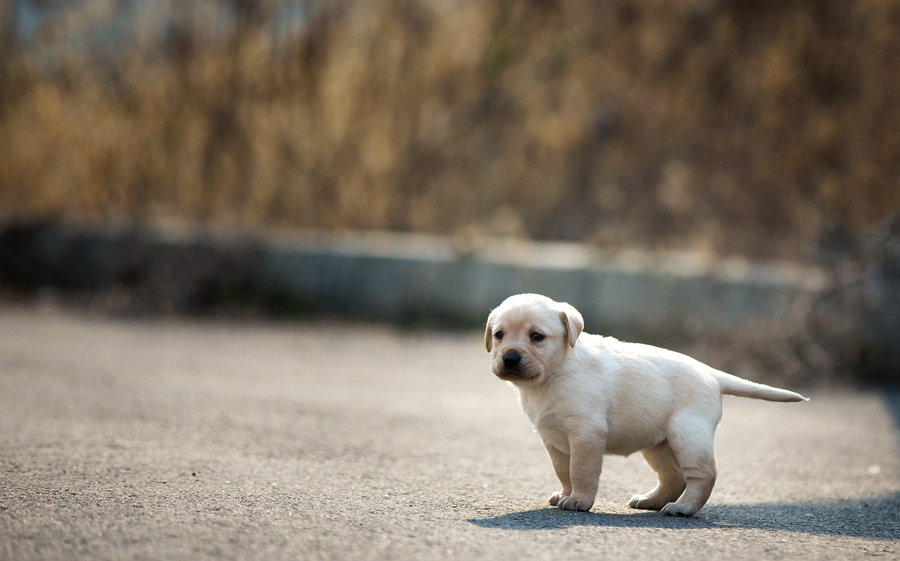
<point>528,336</point>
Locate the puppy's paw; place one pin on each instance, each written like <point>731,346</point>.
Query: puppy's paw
<point>646,502</point>
<point>679,509</point>
<point>576,502</point>
<point>555,498</point>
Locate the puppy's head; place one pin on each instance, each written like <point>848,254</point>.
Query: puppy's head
<point>529,335</point>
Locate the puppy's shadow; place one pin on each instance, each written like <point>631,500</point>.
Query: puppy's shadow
<point>877,518</point>
<point>550,518</point>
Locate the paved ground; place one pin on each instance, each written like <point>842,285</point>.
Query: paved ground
<point>127,439</point>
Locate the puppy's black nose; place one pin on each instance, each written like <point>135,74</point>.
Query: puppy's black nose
<point>511,359</point>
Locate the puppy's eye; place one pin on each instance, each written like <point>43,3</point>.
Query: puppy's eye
<point>537,337</point>
<point>498,335</point>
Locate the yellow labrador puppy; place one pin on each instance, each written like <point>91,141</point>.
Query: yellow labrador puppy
<point>589,395</point>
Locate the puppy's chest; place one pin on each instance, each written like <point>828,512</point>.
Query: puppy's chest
<point>550,426</point>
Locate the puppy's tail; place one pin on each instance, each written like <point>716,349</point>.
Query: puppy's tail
<point>732,385</point>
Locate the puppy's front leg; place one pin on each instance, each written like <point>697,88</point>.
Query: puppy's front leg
<point>587,446</point>
<point>561,466</point>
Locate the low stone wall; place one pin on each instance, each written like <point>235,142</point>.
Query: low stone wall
<point>397,278</point>
<point>400,278</point>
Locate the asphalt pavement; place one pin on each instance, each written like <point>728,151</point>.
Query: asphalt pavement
<point>185,439</point>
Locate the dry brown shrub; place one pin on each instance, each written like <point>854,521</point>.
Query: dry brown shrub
<point>729,126</point>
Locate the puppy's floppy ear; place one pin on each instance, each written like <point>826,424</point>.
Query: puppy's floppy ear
<point>488,336</point>
<point>573,321</point>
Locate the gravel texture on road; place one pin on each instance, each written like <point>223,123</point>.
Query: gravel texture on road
<point>175,439</point>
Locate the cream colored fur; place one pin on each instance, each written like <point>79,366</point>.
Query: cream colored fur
<point>588,396</point>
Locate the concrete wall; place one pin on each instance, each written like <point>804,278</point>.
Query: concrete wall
<point>399,278</point>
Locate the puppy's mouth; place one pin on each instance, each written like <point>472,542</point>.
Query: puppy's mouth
<point>515,373</point>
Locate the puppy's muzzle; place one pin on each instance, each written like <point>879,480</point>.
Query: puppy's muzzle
<point>511,360</point>
<point>512,366</point>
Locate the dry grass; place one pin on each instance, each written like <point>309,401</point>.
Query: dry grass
<point>734,127</point>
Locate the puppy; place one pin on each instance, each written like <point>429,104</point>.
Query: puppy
<point>589,395</point>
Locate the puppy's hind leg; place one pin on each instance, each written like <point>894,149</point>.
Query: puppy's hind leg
<point>693,447</point>
<point>671,484</point>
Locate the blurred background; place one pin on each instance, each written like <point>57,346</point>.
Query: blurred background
<point>765,130</point>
